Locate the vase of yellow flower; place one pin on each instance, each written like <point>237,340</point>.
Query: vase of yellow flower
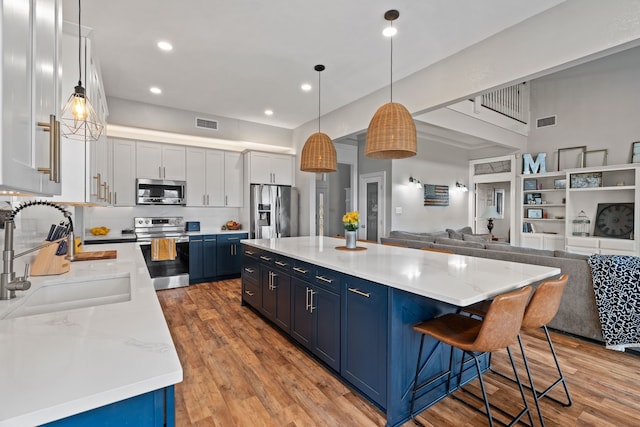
<point>351,221</point>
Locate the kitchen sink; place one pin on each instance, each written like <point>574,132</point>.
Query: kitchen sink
<point>76,293</point>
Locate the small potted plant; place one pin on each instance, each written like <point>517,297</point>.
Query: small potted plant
<point>351,220</point>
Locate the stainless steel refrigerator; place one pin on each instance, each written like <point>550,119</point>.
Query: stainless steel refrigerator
<point>274,211</point>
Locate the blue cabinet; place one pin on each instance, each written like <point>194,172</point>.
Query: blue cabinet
<point>315,316</point>
<point>156,408</point>
<point>364,339</point>
<point>229,253</point>
<point>202,258</point>
<point>276,296</point>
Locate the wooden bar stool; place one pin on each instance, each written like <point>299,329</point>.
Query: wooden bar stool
<point>541,310</point>
<point>496,331</point>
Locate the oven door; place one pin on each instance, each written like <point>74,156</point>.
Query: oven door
<point>168,274</point>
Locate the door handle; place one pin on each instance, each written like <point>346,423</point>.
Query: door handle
<point>356,291</point>
<point>312,307</point>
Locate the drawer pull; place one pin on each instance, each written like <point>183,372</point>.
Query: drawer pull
<point>249,270</point>
<point>300,270</point>
<point>364,294</point>
<point>324,279</point>
<point>233,238</point>
<point>249,293</point>
<point>266,258</point>
<point>281,264</point>
<point>249,252</point>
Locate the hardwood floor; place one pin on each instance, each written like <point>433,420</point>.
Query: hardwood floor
<point>240,371</point>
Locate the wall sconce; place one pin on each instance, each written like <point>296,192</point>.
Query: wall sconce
<point>415,181</point>
<point>461,187</point>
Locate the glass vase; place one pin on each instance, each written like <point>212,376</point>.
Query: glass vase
<point>351,239</point>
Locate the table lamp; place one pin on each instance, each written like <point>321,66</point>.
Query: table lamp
<point>490,213</point>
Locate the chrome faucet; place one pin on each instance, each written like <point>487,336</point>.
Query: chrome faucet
<point>9,283</point>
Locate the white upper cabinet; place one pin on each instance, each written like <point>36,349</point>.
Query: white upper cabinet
<point>160,161</point>
<point>123,178</point>
<point>233,182</point>
<point>270,168</point>
<point>30,87</point>
<point>205,177</point>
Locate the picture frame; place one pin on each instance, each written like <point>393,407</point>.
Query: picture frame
<point>530,198</point>
<point>530,184</point>
<point>601,154</point>
<point>586,180</point>
<point>572,158</point>
<point>534,213</point>
<point>560,184</point>
<point>635,152</point>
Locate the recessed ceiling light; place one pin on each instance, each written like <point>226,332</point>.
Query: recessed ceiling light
<point>268,112</point>
<point>166,46</point>
<point>306,87</point>
<point>389,31</point>
<point>155,90</point>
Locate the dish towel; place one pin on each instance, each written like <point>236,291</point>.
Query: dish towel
<point>616,285</point>
<point>163,249</point>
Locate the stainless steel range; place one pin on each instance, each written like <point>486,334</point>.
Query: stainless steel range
<point>165,273</point>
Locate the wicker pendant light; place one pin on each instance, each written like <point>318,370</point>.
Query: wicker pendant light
<point>318,153</point>
<point>392,132</point>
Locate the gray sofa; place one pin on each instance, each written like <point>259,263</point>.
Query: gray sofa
<point>577,314</point>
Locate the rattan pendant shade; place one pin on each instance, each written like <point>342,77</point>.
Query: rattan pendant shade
<point>318,152</point>
<point>391,133</point>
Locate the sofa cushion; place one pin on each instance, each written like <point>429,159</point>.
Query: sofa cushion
<point>457,234</point>
<point>519,250</point>
<point>475,237</point>
<point>569,255</point>
<point>457,242</point>
<point>426,237</point>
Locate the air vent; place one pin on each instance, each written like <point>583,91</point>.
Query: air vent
<point>546,121</point>
<point>206,124</point>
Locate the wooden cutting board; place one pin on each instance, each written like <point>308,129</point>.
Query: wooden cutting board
<point>93,256</point>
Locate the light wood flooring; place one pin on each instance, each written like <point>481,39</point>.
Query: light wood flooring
<point>240,371</point>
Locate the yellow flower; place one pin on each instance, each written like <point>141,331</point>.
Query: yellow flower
<point>351,221</point>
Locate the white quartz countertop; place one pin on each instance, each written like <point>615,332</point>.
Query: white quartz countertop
<point>456,279</point>
<point>58,364</point>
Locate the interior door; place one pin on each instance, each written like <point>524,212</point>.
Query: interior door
<point>372,206</point>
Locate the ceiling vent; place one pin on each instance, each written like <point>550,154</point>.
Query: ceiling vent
<point>546,121</point>
<point>206,124</point>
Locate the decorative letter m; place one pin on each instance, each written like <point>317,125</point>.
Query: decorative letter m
<point>529,166</point>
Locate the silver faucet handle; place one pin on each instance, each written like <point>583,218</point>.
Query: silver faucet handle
<point>26,271</point>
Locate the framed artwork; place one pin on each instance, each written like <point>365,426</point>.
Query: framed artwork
<point>560,184</point>
<point>635,152</point>
<point>532,198</point>
<point>436,195</point>
<point>571,157</point>
<point>530,184</point>
<point>586,180</point>
<point>534,213</point>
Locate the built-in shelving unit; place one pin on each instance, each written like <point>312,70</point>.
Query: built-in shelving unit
<point>550,202</point>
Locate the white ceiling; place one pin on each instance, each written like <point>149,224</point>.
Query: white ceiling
<point>236,58</point>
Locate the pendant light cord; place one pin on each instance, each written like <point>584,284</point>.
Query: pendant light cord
<point>391,67</point>
<point>79,45</point>
<point>319,92</point>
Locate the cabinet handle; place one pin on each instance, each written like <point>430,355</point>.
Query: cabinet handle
<point>204,199</point>
<point>249,293</point>
<point>266,258</point>
<point>226,200</point>
<point>233,238</point>
<point>272,281</point>
<point>104,191</point>
<point>160,171</point>
<point>54,148</point>
<point>300,270</point>
<point>115,197</point>
<point>98,178</point>
<point>307,304</point>
<point>248,252</point>
<point>207,200</point>
<point>364,294</point>
<point>233,249</point>
<point>324,279</point>
<point>249,270</point>
<point>311,306</point>
<point>281,264</point>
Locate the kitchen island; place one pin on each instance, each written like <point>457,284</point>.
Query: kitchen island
<point>354,310</point>
<point>88,345</point>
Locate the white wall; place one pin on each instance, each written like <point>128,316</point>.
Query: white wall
<point>596,104</point>
<point>435,163</point>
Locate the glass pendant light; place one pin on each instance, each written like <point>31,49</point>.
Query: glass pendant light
<point>79,119</point>
<point>318,153</point>
<point>392,132</point>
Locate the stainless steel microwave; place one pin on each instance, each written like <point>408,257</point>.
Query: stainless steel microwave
<point>160,192</point>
